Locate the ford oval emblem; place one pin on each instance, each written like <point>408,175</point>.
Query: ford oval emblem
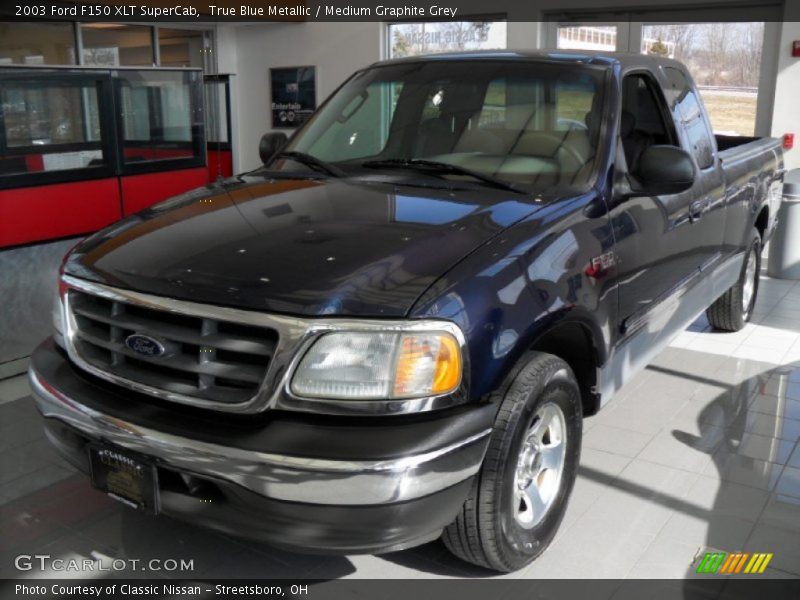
<point>145,345</point>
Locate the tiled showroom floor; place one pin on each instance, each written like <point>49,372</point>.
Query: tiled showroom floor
<point>700,450</point>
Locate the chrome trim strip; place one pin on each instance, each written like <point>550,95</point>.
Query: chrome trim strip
<point>289,478</point>
<point>295,336</point>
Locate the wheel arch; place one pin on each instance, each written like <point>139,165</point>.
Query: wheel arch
<point>576,343</point>
<point>762,222</point>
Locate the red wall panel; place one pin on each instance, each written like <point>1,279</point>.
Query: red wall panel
<point>141,191</point>
<point>225,159</point>
<point>157,153</point>
<point>43,212</point>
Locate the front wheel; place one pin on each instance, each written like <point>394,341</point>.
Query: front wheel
<point>734,308</point>
<point>520,494</point>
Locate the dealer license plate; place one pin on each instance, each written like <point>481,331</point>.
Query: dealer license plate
<point>124,478</point>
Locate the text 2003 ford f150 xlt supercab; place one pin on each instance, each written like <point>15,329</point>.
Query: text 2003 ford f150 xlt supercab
<point>393,330</point>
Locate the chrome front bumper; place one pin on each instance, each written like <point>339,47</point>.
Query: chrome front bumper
<point>275,476</point>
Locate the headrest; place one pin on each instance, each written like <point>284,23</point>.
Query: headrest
<point>460,99</point>
<point>477,140</point>
<point>540,143</point>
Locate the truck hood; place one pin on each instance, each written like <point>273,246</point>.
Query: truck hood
<point>305,247</point>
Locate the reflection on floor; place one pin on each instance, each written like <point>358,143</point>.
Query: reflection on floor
<point>699,451</point>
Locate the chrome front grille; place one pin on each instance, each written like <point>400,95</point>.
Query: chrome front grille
<point>208,359</point>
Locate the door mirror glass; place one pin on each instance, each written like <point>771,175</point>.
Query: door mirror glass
<point>663,170</point>
<point>270,145</point>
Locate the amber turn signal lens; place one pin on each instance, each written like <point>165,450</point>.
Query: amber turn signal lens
<point>427,364</point>
<point>448,367</point>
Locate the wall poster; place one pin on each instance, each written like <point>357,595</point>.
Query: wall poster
<point>294,95</point>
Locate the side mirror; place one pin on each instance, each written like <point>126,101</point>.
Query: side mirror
<point>664,170</point>
<point>270,145</point>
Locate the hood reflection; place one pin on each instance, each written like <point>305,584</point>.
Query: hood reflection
<point>300,246</point>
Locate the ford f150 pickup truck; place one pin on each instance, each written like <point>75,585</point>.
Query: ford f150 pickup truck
<point>393,330</point>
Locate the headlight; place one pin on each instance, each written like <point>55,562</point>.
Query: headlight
<point>374,366</point>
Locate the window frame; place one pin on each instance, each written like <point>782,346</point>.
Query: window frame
<point>663,107</point>
<point>107,142</point>
<point>197,128</point>
<point>111,140</point>
<point>224,80</point>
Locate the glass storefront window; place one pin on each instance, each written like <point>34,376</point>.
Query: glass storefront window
<point>112,45</point>
<point>104,45</point>
<point>49,126</point>
<point>587,37</point>
<point>217,112</point>
<point>180,47</point>
<point>37,44</point>
<point>725,62</point>
<point>161,115</point>
<point>412,39</point>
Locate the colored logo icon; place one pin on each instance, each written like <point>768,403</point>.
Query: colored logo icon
<point>725,563</point>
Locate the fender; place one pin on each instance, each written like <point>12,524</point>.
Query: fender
<point>530,280</point>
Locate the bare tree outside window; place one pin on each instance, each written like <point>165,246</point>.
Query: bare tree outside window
<point>724,59</point>
<point>679,37</point>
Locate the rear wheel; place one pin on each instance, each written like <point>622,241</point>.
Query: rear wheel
<point>734,308</point>
<point>519,496</point>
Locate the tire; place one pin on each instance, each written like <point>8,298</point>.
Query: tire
<point>496,528</point>
<point>733,309</point>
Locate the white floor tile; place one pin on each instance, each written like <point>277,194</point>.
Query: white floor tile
<point>616,440</point>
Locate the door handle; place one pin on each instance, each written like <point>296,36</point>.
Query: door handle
<point>696,210</point>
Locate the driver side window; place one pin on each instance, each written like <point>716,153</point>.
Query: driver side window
<point>642,122</point>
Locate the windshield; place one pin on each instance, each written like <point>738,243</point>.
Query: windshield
<point>534,125</point>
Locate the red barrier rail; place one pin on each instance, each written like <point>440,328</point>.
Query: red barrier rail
<point>83,147</point>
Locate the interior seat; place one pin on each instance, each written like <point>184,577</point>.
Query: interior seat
<point>480,140</point>
<point>634,140</point>
<point>439,134</point>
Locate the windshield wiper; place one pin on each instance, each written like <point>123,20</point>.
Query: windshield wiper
<point>443,168</point>
<point>313,162</point>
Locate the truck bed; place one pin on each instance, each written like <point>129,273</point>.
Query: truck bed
<point>733,149</point>
<point>752,166</point>
<point>725,142</point>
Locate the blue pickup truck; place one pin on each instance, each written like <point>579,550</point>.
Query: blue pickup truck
<point>393,330</point>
